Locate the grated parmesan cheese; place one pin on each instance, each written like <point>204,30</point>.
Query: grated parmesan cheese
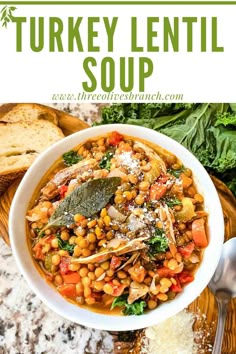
<point>128,161</point>
<point>173,336</point>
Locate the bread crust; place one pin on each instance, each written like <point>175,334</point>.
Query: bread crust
<point>37,126</point>
<point>27,112</point>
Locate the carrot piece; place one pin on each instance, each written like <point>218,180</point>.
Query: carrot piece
<point>199,233</point>
<point>38,251</point>
<point>186,181</point>
<point>157,191</point>
<point>67,290</point>
<point>71,278</point>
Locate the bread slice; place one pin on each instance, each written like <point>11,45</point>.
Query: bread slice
<point>27,113</point>
<point>20,143</point>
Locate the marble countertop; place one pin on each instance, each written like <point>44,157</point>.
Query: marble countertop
<point>27,326</point>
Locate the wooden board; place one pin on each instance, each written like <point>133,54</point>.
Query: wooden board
<point>205,304</point>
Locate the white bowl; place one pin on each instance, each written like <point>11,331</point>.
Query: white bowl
<point>88,318</point>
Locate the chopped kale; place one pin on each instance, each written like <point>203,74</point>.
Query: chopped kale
<point>176,173</point>
<point>64,245</point>
<point>171,201</point>
<point>106,160</point>
<point>71,157</point>
<point>39,233</point>
<point>136,308</point>
<point>157,243</point>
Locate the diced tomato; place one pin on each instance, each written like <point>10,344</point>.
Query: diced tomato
<point>163,179</point>
<point>48,239</point>
<point>115,262</point>
<point>117,289</point>
<point>67,290</point>
<point>176,288</point>
<point>64,265</point>
<point>185,277</point>
<point>62,191</point>
<point>71,278</point>
<point>38,251</point>
<point>114,138</point>
<point>157,191</point>
<point>165,272</point>
<point>186,250</point>
<point>199,233</point>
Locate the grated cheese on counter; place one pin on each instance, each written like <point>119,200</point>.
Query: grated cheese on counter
<point>173,336</point>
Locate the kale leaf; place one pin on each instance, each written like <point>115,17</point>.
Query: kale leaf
<point>171,201</point>
<point>71,157</point>
<point>157,243</point>
<point>136,308</point>
<point>64,245</point>
<point>106,160</point>
<point>232,185</point>
<point>39,233</point>
<point>225,119</point>
<point>176,173</point>
<point>119,301</point>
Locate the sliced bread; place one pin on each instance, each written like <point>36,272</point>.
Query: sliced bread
<point>21,143</point>
<point>27,113</point>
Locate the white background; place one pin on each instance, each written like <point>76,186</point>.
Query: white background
<point>201,77</point>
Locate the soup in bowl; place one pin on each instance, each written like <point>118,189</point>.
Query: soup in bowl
<point>118,223</point>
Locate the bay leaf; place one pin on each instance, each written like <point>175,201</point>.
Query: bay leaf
<point>87,200</point>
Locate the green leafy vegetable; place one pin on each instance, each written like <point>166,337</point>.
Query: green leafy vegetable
<point>71,157</point>
<point>119,301</point>
<point>157,243</point>
<point>39,233</point>
<point>64,245</point>
<point>208,130</point>
<point>232,185</point>
<point>87,200</point>
<point>151,115</point>
<point>176,173</point>
<point>106,160</point>
<point>136,308</point>
<point>171,201</point>
<point>225,119</point>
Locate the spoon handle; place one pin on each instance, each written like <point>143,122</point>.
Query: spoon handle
<point>222,312</point>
